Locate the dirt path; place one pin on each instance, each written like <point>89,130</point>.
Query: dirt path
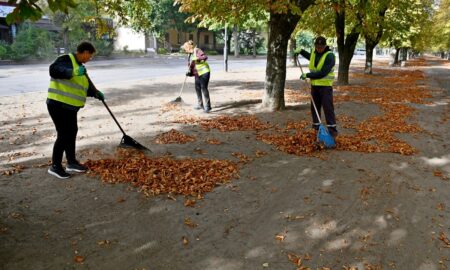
<point>367,210</point>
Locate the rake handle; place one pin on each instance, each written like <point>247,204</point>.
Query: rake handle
<point>310,96</point>
<point>112,115</point>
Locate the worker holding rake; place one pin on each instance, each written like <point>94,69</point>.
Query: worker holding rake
<point>321,67</point>
<point>199,68</point>
<point>69,87</point>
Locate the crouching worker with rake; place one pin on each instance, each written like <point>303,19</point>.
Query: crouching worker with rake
<point>69,87</point>
<point>321,74</point>
<point>199,68</point>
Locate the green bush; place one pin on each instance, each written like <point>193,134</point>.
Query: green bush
<point>162,51</point>
<point>5,50</point>
<point>32,43</point>
<point>211,52</point>
<point>104,47</point>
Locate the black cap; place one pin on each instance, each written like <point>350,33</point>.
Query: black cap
<point>320,41</point>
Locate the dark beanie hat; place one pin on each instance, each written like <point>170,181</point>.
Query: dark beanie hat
<point>320,41</point>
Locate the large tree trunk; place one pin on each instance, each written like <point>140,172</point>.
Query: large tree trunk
<point>397,53</point>
<point>346,45</point>
<point>369,56</point>
<point>280,29</point>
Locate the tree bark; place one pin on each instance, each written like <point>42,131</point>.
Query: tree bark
<point>346,45</point>
<point>292,47</point>
<point>236,41</point>
<point>254,42</point>
<point>397,53</point>
<point>372,42</point>
<point>369,56</point>
<point>280,29</point>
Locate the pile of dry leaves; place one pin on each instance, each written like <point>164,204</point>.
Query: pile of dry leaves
<point>173,136</point>
<point>227,123</point>
<point>154,176</point>
<point>377,133</point>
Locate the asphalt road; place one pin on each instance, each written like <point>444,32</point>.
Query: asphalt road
<point>17,79</point>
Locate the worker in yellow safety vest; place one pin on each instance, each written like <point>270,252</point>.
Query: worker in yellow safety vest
<point>199,68</point>
<point>321,67</point>
<point>67,92</point>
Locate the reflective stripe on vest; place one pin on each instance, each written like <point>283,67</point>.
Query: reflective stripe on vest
<point>329,78</point>
<point>73,91</point>
<point>202,66</point>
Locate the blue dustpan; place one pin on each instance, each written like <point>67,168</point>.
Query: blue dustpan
<point>325,137</point>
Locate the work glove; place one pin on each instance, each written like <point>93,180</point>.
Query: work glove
<point>189,74</point>
<point>99,95</point>
<point>81,71</point>
<point>303,76</point>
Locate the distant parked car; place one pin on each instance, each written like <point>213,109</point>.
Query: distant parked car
<point>360,52</point>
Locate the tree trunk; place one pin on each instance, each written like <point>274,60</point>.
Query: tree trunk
<point>254,42</point>
<point>397,53</point>
<point>292,47</point>
<point>346,45</point>
<point>372,41</point>
<point>236,41</point>
<point>369,56</point>
<point>225,49</point>
<point>229,34</point>
<point>280,29</point>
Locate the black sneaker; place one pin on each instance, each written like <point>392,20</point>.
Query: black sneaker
<point>58,171</point>
<point>207,110</point>
<point>76,167</point>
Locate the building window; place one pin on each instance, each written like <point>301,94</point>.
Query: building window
<point>206,39</point>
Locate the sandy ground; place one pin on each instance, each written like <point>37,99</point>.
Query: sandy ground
<point>366,210</point>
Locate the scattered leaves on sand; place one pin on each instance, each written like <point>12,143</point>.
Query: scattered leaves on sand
<point>242,157</point>
<point>173,136</point>
<point>444,239</point>
<point>213,141</point>
<point>188,222</point>
<point>185,240</point>
<point>78,259</point>
<point>16,169</point>
<point>440,174</point>
<point>154,176</point>
<point>103,243</point>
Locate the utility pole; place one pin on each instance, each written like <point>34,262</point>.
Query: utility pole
<point>225,51</point>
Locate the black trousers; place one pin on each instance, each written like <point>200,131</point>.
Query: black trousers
<point>323,98</point>
<point>201,87</point>
<point>65,121</point>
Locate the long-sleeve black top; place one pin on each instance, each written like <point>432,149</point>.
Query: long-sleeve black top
<point>327,66</point>
<point>62,68</point>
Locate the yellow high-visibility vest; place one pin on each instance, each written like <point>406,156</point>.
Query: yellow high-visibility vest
<point>72,91</point>
<point>329,78</point>
<point>202,66</point>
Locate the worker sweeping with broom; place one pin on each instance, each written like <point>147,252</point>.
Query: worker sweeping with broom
<point>69,87</point>
<point>199,68</point>
<point>321,74</point>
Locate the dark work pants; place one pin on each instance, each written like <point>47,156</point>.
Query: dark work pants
<point>65,121</point>
<point>201,87</point>
<point>323,97</point>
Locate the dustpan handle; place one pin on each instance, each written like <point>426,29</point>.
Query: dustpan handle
<point>115,120</point>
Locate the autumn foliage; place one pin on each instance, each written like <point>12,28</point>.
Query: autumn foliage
<point>154,176</point>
